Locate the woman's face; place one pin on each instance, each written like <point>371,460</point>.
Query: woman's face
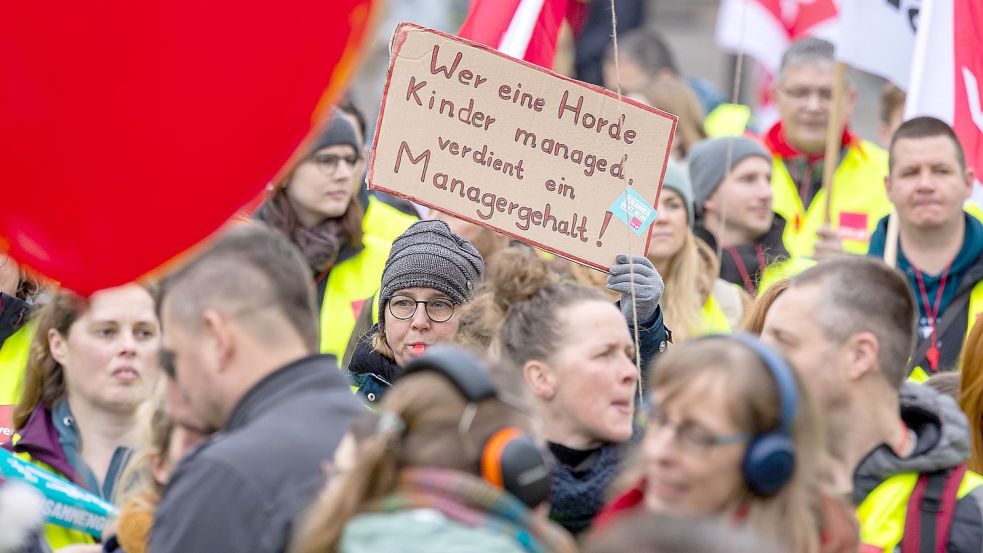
<point>109,355</point>
<point>409,338</point>
<point>322,186</point>
<point>595,378</point>
<point>670,227</point>
<point>693,452</point>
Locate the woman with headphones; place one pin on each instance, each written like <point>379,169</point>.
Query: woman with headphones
<point>450,467</point>
<point>732,434</point>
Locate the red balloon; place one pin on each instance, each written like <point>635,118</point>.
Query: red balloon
<point>129,131</point>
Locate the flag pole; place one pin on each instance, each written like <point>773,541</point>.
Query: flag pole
<point>891,246</point>
<point>834,132</point>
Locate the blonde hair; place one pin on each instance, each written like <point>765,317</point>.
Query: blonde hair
<point>689,278</point>
<point>792,517</point>
<point>971,391</point>
<point>156,428</point>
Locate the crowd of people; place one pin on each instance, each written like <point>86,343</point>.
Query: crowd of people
<point>792,367</point>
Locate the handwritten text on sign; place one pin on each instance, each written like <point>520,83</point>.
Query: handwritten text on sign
<point>516,148</point>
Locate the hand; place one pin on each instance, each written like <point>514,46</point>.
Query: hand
<point>829,244</point>
<point>648,286</point>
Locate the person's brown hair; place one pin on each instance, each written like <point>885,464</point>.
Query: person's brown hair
<point>351,219</point>
<point>925,127</point>
<point>428,409</point>
<point>44,378</point>
<point>971,392</point>
<point>791,517</point>
<point>518,272</point>
<point>892,99</point>
<point>672,94</point>
<point>862,294</point>
<point>754,318</point>
<point>532,329</point>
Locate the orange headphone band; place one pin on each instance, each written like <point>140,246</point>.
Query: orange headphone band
<point>491,456</point>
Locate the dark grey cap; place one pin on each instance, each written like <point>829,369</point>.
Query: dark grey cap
<point>429,255</point>
<point>708,161</point>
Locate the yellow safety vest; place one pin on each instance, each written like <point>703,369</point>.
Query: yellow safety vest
<point>727,120</point>
<point>974,209</point>
<point>714,321</point>
<point>919,374</point>
<point>13,361</point>
<point>859,202</point>
<point>350,284</point>
<point>882,513</point>
<point>354,280</point>
<point>385,221</point>
<point>787,268</point>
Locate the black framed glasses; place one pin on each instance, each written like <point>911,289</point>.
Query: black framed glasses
<point>689,436</point>
<point>438,309</point>
<point>328,163</point>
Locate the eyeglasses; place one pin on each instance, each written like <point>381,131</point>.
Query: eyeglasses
<point>328,163</point>
<point>689,436</point>
<point>802,94</point>
<point>438,310</point>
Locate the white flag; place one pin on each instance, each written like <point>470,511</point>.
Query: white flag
<point>878,36</point>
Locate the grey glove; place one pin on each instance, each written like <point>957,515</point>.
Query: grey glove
<point>648,286</point>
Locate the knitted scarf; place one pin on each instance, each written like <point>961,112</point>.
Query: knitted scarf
<point>578,495</point>
<point>319,244</point>
<point>465,499</point>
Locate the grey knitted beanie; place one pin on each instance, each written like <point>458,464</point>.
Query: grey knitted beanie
<point>429,255</point>
<point>678,181</point>
<point>337,131</point>
<point>708,160</point>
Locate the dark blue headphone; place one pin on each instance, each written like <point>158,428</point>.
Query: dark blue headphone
<point>770,459</point>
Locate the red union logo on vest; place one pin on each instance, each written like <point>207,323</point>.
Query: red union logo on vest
<point>853,226</point>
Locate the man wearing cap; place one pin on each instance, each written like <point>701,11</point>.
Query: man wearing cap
<point>733,210</point>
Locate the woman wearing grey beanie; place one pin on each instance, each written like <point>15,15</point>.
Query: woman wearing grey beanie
<point>430,273</point>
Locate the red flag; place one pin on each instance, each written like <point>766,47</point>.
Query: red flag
<point>525,29</point>
<point>763,29</point>
<point>947,74</point>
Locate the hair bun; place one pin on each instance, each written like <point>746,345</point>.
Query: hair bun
<point>517,275</point>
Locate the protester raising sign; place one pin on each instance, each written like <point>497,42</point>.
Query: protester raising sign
<point>519,149</point>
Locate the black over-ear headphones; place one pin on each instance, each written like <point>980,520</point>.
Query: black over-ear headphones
<point>509,459</point>
<point>770,458</point>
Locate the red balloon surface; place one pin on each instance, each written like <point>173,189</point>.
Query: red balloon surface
<point>130,131</point>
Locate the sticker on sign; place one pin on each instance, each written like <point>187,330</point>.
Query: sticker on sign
<point>516,148</point>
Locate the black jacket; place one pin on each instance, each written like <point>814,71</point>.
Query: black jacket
<point>243,489</point>
<point>772,248</point>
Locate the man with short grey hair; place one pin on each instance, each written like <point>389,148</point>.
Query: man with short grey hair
<point>803,93</point>
<point>240,338</point>
<point>847,326</point>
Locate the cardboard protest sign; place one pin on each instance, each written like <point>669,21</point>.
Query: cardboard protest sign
<point>551,161</point>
